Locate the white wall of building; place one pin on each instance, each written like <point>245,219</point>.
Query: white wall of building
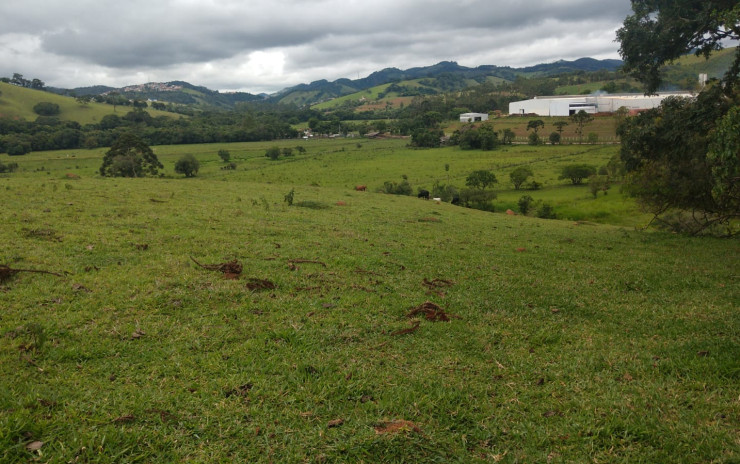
<point>564,106</point>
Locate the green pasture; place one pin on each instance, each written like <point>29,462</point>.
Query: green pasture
<point>346,163</point>
<point>363,327</point>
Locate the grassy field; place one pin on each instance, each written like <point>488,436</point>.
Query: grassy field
<point>18,102</point>
<point>362,327</point>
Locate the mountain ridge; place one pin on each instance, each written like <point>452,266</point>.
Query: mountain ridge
<point>323,89</point>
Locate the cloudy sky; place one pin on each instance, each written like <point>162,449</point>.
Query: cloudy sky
<point>267,45</point>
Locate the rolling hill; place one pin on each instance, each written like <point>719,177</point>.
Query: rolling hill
<point>18,102</point>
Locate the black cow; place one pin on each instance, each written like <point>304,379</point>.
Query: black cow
<point>424,194</point>
<point>456,200</point>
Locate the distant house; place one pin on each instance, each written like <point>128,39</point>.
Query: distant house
<point>473,117</point>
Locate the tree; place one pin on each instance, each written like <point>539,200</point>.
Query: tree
<point>427,138</point>
<point>187,165</point>
<point>560,125</point>
<point>659,32</point>
<point>507,136</point>
<point>130,157</point>
<point>525,204</point>
<point>535,125</point>
<point>682,158</point>
<point>554,138</point>
<point>520,175</point>
<point>577,172</point>
<point>597,183</point>
<point>580,119</point>
<point>534,139</point>
<point>480,179</point>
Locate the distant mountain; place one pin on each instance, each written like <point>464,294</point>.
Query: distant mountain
<point>443,76</point>
<point>177,92</point>
<point>454,76</point>
<point>581,64</point>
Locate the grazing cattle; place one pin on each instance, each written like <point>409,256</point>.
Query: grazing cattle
<point>361,188</point>
<point>424,194</point>
<point>456,200</point>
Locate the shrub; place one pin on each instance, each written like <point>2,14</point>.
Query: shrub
<point>525,204</point>
<point>546,211</point>
<point>533,139</point>
<point>46,109</point>
<point>288,198</point>
<point>273,153</point>
<point>404,188</point>
<point>10,167</point>
<point>224,155</point>
<point>187,165</point>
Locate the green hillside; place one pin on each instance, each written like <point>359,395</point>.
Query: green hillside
<point>18,102</point>
<point>212,320</point>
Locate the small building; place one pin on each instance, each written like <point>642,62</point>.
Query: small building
<point>473,117</point>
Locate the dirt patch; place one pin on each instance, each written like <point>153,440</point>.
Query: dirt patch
<point>414,327</point>
<point>260,284</point>
<point>431,312</point>
<point>7,272</point>
<point>437,283</point>
<point>396,426</point>
<point>231,270</point>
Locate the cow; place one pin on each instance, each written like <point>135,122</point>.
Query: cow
<point>424,194</point>
<point>456,200</point>
<point>361,188</point>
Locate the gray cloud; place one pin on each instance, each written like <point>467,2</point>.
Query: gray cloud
<point>264,46</point>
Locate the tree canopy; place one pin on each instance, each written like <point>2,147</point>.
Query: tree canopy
<point>130,157</point>
<point>659,32</point>
<point>683,157</point>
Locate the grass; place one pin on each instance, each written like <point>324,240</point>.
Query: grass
<point>566,342</point>
<point>18,102</point>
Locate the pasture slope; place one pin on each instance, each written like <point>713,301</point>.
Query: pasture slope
<point>355,327</point>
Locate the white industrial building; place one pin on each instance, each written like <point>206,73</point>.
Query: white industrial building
<point>473,117</point>
<point>606,103</point>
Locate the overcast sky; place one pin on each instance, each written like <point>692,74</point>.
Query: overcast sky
<point>266,45</point>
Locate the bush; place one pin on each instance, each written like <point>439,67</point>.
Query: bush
<point>554,138</point>
<point>10,167</point>
<point>288,198</point>
<point>546,211</point>
<point>273,153</point>
<point>533,139</point>
<point>46,109</point>
<point>445,192</point>
<point>404,188</point>
<point>598,184</point>
<point>478,199</point>
<point>187,165</point>
<point>224,155</point>
<point>525,204</point>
